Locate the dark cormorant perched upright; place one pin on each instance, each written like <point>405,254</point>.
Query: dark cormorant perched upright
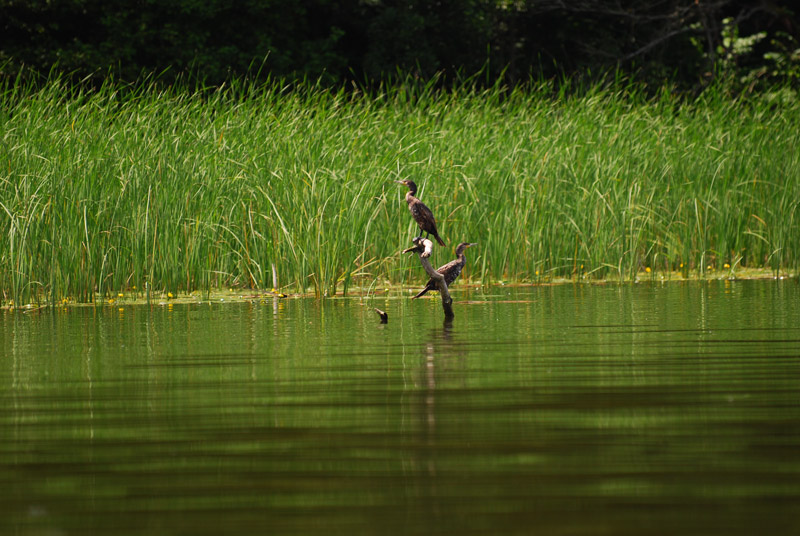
<point>450,271</point>
<point>422,214</point>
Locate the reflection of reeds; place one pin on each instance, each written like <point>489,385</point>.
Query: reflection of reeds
<point>166,189</point>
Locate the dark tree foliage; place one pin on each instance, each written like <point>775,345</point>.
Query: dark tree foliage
<point>680,41</point>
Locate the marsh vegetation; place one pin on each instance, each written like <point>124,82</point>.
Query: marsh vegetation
<point>144,188</point>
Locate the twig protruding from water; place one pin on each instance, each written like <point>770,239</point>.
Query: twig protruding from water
<point>384,316</point>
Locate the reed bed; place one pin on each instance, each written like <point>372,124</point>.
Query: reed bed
<point>151,190</point>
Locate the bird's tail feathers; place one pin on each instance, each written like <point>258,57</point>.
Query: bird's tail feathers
<point>425,290</point>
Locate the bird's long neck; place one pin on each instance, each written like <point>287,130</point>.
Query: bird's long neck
<point>410,198</point>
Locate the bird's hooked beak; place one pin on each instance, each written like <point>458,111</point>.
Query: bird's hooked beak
<point>400,182</point>
<point>472,244</point>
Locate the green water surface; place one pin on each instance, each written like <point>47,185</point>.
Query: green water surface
<point>634,409</point>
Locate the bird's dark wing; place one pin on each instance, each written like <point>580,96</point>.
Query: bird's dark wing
<point>453,273</point>
<point>449,266</point>
<point>450,271</point>
<point>423,216</point>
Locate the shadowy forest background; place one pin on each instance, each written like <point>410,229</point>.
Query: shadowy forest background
<point>686,43</point>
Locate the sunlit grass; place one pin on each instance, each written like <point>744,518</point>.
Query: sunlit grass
<point>168,190</point>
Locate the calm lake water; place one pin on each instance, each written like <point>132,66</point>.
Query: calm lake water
<point>635,409</point>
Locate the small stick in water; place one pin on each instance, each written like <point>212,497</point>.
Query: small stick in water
<point>383,315</point>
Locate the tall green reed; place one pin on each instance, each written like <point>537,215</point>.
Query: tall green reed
<point>183,189</point>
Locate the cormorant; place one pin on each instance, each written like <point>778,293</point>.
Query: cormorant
<point>422,214</point>
<point>450,271</point>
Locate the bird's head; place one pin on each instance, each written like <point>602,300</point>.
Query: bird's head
<point>463,246</point>
<point>412,186</point>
